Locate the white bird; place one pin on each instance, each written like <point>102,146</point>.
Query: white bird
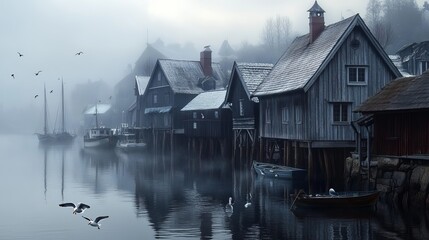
<point>248,201</point>
<point>229,208</point>
<point>332,192</point>
<point>95,223</point>
<point>79,208</point>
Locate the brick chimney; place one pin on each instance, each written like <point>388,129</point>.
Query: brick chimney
<point>317,21</point>
<point>206,61</point>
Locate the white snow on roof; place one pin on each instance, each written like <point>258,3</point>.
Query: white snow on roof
<point>396,59</point>
<point>206,100</point>
<point>101,108</point>
<point>142,82</point>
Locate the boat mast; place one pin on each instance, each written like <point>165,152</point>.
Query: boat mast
<point>62,105</point>
<point>45,128</point>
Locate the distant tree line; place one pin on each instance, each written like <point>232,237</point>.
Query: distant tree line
<point>396,23</point>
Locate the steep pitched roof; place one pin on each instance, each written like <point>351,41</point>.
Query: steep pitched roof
<point>206,101</point>
<point>99,108</point>
<point>302,62</point>
<point>250,75</point>
<point>407,93</point>
<point>183,76</point>
<point>142,82</point>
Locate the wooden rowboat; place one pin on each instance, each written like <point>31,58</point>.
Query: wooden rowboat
<point>337,200</point>
<point>278,171</point>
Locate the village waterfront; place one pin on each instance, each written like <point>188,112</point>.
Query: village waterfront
<point>164,197</point>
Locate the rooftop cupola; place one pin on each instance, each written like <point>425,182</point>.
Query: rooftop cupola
<point>317,21</point>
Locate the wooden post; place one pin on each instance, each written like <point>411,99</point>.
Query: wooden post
<point>328,169</point>
<point>310,164</point>
<point>284,152</point>
<point>288,148</point>
<point>295,154</point>
<point>261,148</point>
<point>234,144</point>
<point>252,152</point>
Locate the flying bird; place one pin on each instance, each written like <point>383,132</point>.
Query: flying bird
<point>36,96</point>
<point>37,73</point>
<point>20,54</point>
<point>79,208</point>
<point>51,91</point>
<point>95,223</point>
<point>13,76</point>
<point>79,53</point>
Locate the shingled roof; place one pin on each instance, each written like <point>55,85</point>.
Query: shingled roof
<point>302,63</point>
<point>407,93</point>
<point>183,75</point>
<point>206,101</point>
<point>251,75</point>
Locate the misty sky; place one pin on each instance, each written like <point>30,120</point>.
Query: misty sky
<point>113,34</point>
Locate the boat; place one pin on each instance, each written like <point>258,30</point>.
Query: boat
<point>338,200</point>
<point>99,136</point>
<point>128,142</point>
<point>56,137</point>
<point>278,171</point>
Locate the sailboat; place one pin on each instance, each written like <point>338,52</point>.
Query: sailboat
<point>45,137</point>
<point>57,137</point>
<point>63,136</point>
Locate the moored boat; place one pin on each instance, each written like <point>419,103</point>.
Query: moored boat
<point>128,142</point>
<point>358,199</point>
<point>99,137</point>
<point>278,171</point>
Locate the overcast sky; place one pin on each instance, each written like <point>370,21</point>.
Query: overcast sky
<point>113,34</point>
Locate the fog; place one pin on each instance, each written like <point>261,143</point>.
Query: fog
<point>112,35</point>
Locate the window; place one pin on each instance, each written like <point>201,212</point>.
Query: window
<point>268,115</point>
<point>424,65</point>
<point>298,114</point>
<point>155,99</point>
<point>285,115</point>
<point>195,125</point>
<point>216,114</point>
<point>194,115</point>
<point>357,75</point>
<point>159,76</point>
<point>167,98</point>
<point>166,119</point>
<point>340,112</point>
<point>241,107</point>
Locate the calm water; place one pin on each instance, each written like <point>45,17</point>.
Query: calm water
<point>151,197</point>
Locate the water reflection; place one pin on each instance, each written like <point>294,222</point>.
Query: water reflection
<point>159,196</point>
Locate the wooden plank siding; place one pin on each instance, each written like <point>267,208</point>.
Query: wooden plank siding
<point>401,133</point>
<point>207,125</point>
<point>331,86</point>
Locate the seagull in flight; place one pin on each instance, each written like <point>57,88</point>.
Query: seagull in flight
<point>79,208</point>
<point>51,91</point>
<point>95,223</point>
<point>20,54</point>
<point>36,96</point>
<point>79,53</point>
<point>13,76</point>
<point>37,73</point>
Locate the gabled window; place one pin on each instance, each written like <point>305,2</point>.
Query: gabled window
<point>241,107</point>
<point>340,112</point>
<point>155,99</point>
<point>357,75</point>
<point>285,115</point>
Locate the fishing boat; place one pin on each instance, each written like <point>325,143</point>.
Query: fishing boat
<point>99,136</point>
<point>45,137</point>
<point>278,171</point>
<point>343,200</point>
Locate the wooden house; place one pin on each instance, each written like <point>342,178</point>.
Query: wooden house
<point>306,101</point>
<point>207,119</point>
<point>244,79</point>
<point>399,116</point>
<point>172,85</point>
<point>415,57</point>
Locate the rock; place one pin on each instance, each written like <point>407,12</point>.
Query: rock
<point>419,179</point>
<point>386,163</point>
